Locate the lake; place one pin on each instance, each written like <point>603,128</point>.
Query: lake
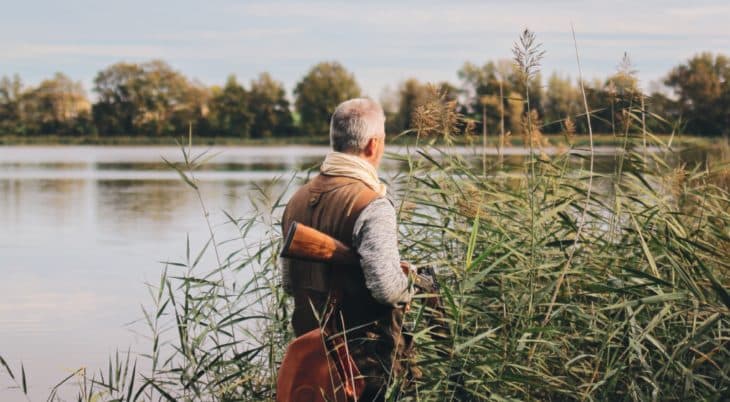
<point>82,229</point>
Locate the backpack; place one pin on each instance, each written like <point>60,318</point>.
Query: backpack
<point>317,367</point>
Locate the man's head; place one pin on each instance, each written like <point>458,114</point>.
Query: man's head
<point>358,128</point>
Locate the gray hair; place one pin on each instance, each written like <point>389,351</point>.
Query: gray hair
<point>354,123</point>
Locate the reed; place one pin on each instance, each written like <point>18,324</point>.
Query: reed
<point>559,283</point>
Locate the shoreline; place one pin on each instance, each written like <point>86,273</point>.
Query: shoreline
<point>131,141</point>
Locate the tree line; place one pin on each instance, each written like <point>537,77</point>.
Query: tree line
<point>153,99</point>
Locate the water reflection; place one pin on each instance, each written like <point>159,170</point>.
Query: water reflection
<point>83,228</point>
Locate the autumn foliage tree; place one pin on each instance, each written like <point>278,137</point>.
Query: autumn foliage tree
<point>57,105</point>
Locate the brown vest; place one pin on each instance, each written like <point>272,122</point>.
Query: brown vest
<point>330,204</point>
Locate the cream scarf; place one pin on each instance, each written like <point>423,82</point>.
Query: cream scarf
<point>341,164</point>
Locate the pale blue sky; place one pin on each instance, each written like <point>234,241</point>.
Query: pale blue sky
<point>382,42</point>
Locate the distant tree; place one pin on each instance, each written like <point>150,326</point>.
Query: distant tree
<point>325,86</point>
<point>516,112</point>
<point>149,98</point>
<point>599,102</point>
<point>11,90</point>
<point>561,100</point>
<point>448,91</point>
<point>535,90</point>
<point>480,81</point>
<point>191,110</point>
<point>56,106</point>
<point>621,94</point>
<point>411,94</point>
<point>119,92</point>
<point>166,94</point>
<point>482,86</point>
<point>229,111</point>
<point>662,105</point>
<point>270,108</point>
<point>703,88</point>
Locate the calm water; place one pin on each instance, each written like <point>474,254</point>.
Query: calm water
<point>82,229</point>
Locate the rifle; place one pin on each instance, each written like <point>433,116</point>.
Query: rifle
<point>306,243</point>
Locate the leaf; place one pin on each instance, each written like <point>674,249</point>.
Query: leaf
<point>182,174</point>
<point>649,300</point>
<point>472,239</point>
<point>475,339</point>
<point>161,391</point>
<point>645,247</point>
<point>23,382</point>
<point>131,383</point>
<point>54,390</point>
<point>5,364</point>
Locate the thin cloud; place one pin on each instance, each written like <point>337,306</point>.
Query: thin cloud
<point>227,35</point>
<point>39,51</point>
<point>716,11</point>
<point>380,42</point>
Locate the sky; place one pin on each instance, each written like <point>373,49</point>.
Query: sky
<point>381,42</point>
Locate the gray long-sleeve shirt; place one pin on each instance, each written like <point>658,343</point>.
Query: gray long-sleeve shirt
<point>375,238</point>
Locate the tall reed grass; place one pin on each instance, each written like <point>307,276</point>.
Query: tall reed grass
<point>559,283</point>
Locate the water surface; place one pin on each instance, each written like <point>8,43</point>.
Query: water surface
<point>82,229</point>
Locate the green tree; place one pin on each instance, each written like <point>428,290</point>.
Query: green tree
<point>562,99</point>
<point>229,113</point>
<point>325,86</point>
<point>411,94</point>
<point>168,100</point>
<point>599,100</point>
<point>621,93</point>
<point>270,108</point>
<point>703,89</point>
<point>149,98</point>
<point>119,98</point>
<point>11,90</point>
<point>482,86</point>
<point>192,109</point>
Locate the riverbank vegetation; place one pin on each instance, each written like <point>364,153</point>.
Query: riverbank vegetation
<point>151,101</point>
<point>492,142</point>
<point>558,282</point>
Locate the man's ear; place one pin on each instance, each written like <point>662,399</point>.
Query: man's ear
<point>371,147</point>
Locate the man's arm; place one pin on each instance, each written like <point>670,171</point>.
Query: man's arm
<point>375,238</point>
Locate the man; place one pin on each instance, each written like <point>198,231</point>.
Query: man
<point>348,202</point>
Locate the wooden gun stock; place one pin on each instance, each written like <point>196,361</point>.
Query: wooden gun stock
<point>306,243</point>
<point>309,244</point>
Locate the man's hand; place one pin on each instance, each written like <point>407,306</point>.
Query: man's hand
<point>408,271</point>
<point>406,267</point>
